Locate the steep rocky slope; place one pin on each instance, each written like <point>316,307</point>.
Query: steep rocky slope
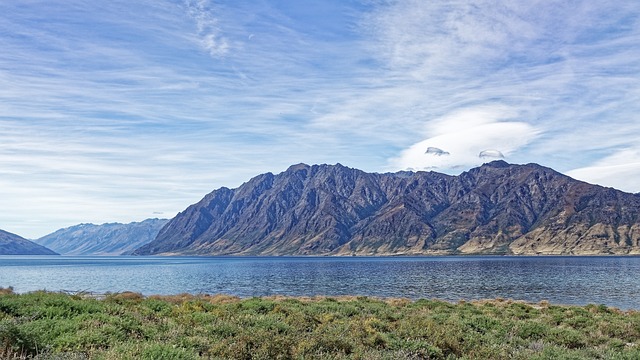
<point>12,244</point>
<point>497,208</point>
<point>105,239</point>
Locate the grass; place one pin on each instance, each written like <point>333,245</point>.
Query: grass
<point>44,325</point>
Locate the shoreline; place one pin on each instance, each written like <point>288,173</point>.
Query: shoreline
<point>337,256</point>
<point>100,296</point>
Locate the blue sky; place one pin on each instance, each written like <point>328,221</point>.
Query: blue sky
<point>117,111</point>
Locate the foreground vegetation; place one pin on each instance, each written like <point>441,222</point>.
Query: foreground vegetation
<point>44,325</point>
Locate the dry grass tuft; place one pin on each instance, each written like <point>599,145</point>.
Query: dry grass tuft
<point>126,295</point>
<point>6,291</point>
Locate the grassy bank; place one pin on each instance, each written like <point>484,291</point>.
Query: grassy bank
<point>45,325</point>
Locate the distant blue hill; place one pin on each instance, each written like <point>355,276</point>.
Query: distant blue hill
<point>106,239</point>
<point>12,244</point>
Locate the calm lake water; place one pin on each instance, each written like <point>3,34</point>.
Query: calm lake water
<point>614,281</point>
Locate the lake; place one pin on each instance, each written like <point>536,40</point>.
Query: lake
<point>609,280</point>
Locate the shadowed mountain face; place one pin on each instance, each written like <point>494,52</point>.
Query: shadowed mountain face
<point>497,208</point>
<point>105,239</point>
<point>11,244</point>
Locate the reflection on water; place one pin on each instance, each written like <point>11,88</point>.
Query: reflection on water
<point>567,280</point>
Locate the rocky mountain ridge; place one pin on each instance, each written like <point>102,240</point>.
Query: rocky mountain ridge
<point>12,244</point>
<point>105,239</point>
<point>497,208</point>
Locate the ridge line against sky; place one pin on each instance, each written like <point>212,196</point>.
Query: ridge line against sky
<point>126,110</point>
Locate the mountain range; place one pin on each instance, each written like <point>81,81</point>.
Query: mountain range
<point>12,244</point>
<point>105,239</point>
<point>497,208</point>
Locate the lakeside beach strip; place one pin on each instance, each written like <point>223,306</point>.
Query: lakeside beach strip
<point>47,325</point>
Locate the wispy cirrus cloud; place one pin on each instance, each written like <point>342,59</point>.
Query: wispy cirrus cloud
<point>619,170</point>
<point>209,31</point>
<point>114,111</point>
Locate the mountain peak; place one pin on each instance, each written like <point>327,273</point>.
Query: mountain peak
<point>497,164</point>
<point>12,244</point>
<point>297,167</point>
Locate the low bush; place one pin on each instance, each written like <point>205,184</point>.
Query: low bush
<point>44,325</point>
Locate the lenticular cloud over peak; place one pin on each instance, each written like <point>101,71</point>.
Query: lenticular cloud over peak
<point>491,154</point>
<point>436,151</point>
<point>470,136</point>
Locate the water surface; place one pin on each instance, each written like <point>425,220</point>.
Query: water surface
<point>610,280</point>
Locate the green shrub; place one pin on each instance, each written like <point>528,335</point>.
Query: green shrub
<point>45,325</point>
<point>531,330</point>
<point>165,352</point>
<point>568,338</point>
<point>14,340</point>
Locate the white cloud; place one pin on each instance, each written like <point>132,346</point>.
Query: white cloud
<point>209,32</point>
<point>464,135</point>
<point>620,170</point>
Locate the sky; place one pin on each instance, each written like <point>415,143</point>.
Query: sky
<point>118,111</point>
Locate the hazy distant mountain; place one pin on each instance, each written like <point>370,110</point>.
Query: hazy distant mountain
<point>105,239</point>
<point>12,244</point>
<point>497,208</point>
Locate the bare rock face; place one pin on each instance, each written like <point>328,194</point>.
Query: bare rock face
<point>12,244</point>
<point>497,208</point>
